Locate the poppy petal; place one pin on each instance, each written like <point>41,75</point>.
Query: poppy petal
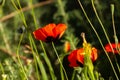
<point>72,58</point>
<point>80,55</point>
<point>59,30</point>
<point>94,55</point>
<point>39,35</point>
<point>114,46</point>
<point>107,48</point>
<point>48,30</point>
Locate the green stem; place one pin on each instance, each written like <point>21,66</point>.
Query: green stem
<point>32,44</point>
<point>33,14</point>
<point>20,11</point>
<point>48,62</point>
<point>61,72</point>
<point>97,36</point>
<point>88,64</point>
<point>37,59</point>
<point>101,24</point>
<point>87,58</point>
<point>59,60</point>
<point>115,36</point>
<point>86,72</point>
<point>105,35</point>
<point>73,75</point>
<point>18,57</point>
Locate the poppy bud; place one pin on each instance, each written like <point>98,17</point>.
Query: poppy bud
<point>67,46</point>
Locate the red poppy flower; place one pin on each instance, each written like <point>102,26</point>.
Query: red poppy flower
<point>114,46</point>
<point>78,56</point>
<point>50,32</point>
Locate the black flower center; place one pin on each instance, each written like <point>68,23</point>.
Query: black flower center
<point>50,39</point>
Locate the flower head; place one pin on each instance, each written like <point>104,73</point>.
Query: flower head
<point>78,56</point>
<point>114,46</point>
<point>50,32</point>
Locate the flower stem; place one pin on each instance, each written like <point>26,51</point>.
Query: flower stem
<point>97,37</point>
<point>106,37</point>
<point>48,62</point>
<point>87,60</point>
<point>59,60</point>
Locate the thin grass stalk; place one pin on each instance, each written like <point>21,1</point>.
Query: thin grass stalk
<point>45,57</point>
<point>48,62</point>
<point>114,30</point>
<point>23,18</point>
<point>20,63</point>
<point>24,21</point>
<point>113,23</point>
<point>97,36</point>
<point>59,60</point>
<point>21,37</point>
<point>105,35</point>
<point>101,24</point>
<point>7,44</point>
<point>115,36</point>
<point>19,60</point>
<point>33,14</point>
<point>20,11</point>
<point>62,73</point>
<point>34,58</point>
<point>37,59</point>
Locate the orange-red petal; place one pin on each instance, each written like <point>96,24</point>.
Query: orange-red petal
<point>39,35</point>
<point>80,55</point>
<point>59,30</point>
<point>50,32</point>
<point>114,46</point>
<point>48,29</point>
<point>72,58</point>
<point>94,54</point>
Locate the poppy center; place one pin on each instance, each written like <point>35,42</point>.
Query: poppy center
<point>49,39</point>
